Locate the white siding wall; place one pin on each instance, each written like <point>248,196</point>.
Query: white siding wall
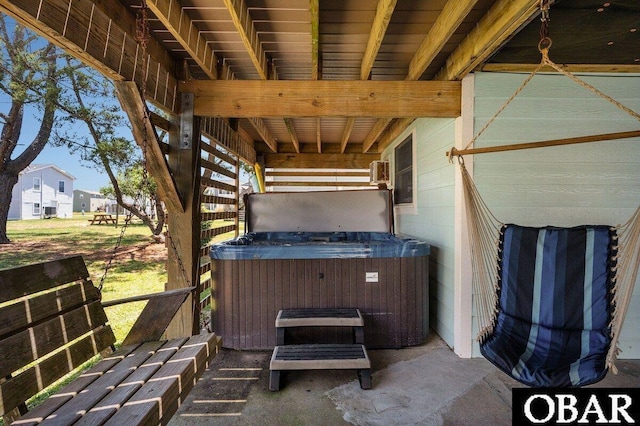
<point>29,196</point>
<point>432,219</point>
<point>594,183</point>
<point>48,196</point>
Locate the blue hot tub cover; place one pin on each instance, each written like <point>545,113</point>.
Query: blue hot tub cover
<point>318,245</point>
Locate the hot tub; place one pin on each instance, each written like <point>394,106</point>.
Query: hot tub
<point>259,273</point>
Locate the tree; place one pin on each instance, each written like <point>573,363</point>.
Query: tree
<point>132,187</point>
<point>28,76</point>
<point>38,79</point>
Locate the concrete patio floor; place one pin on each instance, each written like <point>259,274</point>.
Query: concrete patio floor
<point>424,385</point>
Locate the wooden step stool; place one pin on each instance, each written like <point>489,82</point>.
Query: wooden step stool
<point>320,318</point>
<point>320,356</point>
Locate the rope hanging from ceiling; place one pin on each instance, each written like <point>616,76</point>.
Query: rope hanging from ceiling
<point>543,46</point>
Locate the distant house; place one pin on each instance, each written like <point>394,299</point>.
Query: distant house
<point>88,201</point>
<point>42,191</point>
<point>93,201</point>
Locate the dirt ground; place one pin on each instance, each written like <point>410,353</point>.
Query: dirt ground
<point>143,251</point>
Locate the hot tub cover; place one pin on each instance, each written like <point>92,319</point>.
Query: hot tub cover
<point>318,245</point>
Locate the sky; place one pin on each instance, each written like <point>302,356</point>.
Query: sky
<point>88,179</point>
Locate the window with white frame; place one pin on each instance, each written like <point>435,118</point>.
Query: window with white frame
<point>36,184</point>
<point>60,186</point>
<point>403,186</point>
<point>36,209</point>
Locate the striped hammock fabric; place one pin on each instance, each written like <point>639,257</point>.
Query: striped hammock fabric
<point>554,305</point>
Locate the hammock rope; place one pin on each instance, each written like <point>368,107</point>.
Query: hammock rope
<point>545,60</point>
<point>626,271</point>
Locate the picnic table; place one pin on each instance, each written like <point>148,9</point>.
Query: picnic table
<point>99,218</point>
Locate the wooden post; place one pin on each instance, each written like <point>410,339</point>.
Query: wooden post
<point>183,240</point>
<point>237,196</point>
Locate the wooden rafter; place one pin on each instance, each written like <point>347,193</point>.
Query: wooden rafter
<point>264,133</point>
<point>169,12</point>
<point>292,132</point>
<point>217,129</point>
<point>384,11</point>
<point>318,135</point>
<point>443,28</point>
<point>501,21</point>
<point>99,35</point>
<point>572,68</point>
<point>314,8</point>
<point>246,30</point>
<point>393,131</point>
<point>324,98</point>
<point>346,133</point>
<point>145,136</point>
<point>324,161</point>
<point>504,18</point>
<point>375,133</point>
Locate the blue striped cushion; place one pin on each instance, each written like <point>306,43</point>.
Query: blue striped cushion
<point>552,328</point>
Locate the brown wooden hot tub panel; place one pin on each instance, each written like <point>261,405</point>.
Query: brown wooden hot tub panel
<point>249,293</point>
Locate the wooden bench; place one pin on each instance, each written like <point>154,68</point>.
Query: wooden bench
<point>52,321</point>
<point>321,317</point>
<point>320,357</point>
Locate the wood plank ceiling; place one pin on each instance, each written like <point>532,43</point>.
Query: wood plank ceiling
<point>348,56</point>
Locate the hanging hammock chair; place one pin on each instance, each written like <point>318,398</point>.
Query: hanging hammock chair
<point>550,301</point>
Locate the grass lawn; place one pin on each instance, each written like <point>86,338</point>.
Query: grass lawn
<point>137,268</point>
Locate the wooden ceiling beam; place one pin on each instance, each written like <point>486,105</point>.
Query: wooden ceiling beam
<point>322,161</point>
<point>101,34</point>
<point>219,130</point>
<point>375,133</point>
<point>246,30</point>
<point>145,136</point>
<point>179,24</point>
<point>500,22</point>
<point>264,133</point>
<point>394,130</point>
<point>324,98</point>
<point>318,135</point>
<point>572,68</point>
<point>314,8</point>
<point>452,15</point>
<point>292,132</point>
<point>384,11</point>
<point>346,133</point>
<point>443,28</point>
